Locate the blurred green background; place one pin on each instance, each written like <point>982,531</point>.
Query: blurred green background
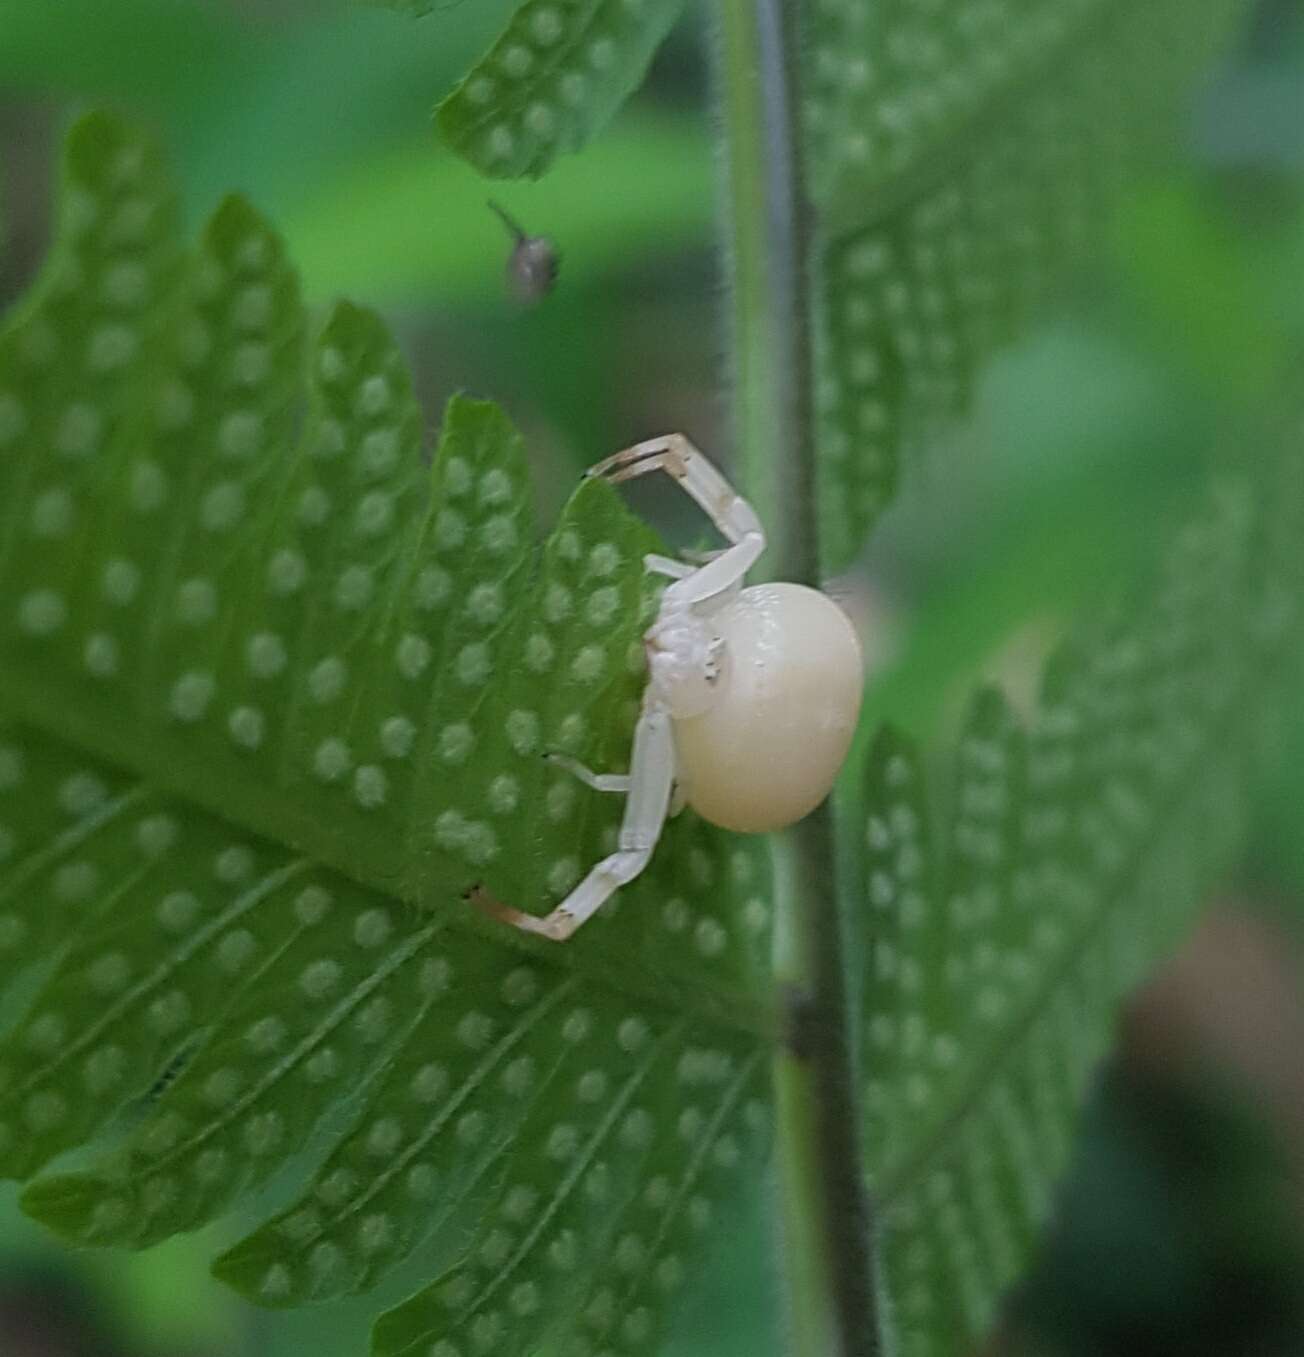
<point>1180,1231</point>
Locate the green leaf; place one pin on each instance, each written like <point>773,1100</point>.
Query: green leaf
<point>963,157</point>
<point>553,80</point>
<point>1071,852</point>
<point>274,696</point>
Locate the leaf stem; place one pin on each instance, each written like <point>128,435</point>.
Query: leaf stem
<point>825,1209</point>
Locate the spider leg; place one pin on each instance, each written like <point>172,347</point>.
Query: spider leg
<point>677,457</point>
<point>652,772</point>
<point>600,782</point>
<point>667,565</point>
<point>717,576</point>
<point>731,514</point>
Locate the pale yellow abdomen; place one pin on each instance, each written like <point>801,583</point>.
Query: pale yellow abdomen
<point>768,750</point>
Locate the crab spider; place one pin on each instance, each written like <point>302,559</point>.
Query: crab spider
<point>751,699</point>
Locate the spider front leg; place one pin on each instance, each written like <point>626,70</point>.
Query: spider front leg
<point>667,566</point>
<point>731,514</point>
<point>651,775</point>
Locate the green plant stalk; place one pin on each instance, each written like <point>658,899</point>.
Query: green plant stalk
<point>824,1206</point>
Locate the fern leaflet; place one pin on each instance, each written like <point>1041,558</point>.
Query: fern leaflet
<point>274,695</point>
<point>962,155</point>
<point>555,78</point>
<point>1077,846</point>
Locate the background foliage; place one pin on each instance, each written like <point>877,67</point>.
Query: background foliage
<point>1146,366</point>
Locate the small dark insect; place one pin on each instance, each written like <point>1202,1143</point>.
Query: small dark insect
<point>533,263</point>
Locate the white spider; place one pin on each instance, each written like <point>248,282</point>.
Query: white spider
<point>751,700</point>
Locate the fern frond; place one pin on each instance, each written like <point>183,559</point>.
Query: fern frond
<point>274,696</point>
<point>964,155</point>
<point>1078,845</point>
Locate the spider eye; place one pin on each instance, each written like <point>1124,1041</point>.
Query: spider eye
<point>686,661</point>
<point>715,660</point>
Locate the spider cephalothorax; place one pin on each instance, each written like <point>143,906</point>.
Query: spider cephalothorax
<point>685,661</point>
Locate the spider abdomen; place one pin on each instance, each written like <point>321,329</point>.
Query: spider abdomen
<point>769,747</point>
